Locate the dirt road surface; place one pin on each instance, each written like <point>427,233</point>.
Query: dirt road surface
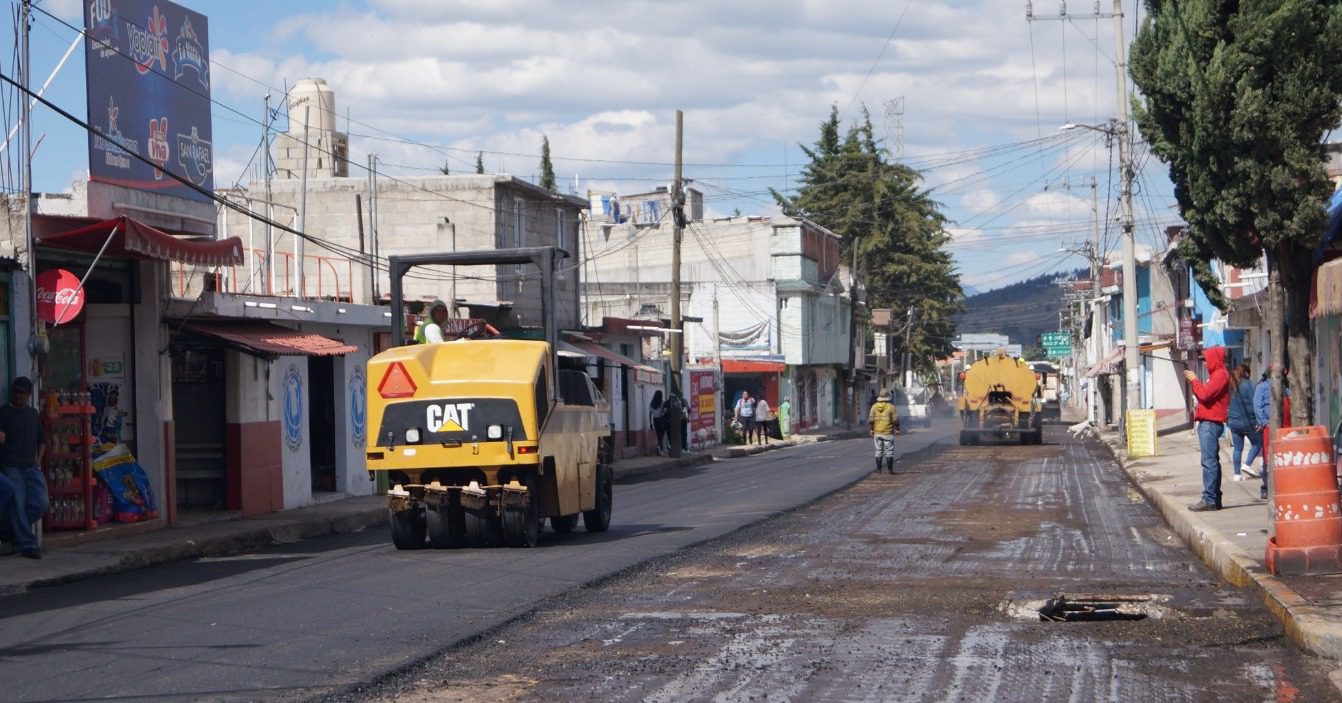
<point>922,586</point>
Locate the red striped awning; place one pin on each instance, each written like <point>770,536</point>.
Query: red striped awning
<point>267,339</point>
<point>131,239</point>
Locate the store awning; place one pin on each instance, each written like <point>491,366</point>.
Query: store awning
<point>752,366</point>
<point>131,239</point>
<point>1328,289</point>
<point>646,374</point>
<point>1106,364</point>
<point>267,339</point>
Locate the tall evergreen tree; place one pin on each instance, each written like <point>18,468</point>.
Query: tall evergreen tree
<point>1238,98</point>
<point>446,168</point>
<point>547,168</point>
<point>480,162</point>
<point>889,226</point>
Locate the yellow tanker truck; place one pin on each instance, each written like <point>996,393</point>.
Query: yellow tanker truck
<point>482,440</point>
<point>1000,400</point>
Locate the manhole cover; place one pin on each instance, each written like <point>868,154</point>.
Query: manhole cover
<point>1092,609</point>
<point>1086,607</point>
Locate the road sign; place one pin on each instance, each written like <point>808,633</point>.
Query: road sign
<point>1056,339</point>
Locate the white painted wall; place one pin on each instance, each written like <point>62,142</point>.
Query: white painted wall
<point>294,450</point>
<point>153,377</point>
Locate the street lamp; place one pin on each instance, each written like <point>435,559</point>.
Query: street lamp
<point>1118,128</point>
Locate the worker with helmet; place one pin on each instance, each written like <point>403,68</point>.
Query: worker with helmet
<point>430,329</point>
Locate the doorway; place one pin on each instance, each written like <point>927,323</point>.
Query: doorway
<point>199,427</point>
<point>321,429</point>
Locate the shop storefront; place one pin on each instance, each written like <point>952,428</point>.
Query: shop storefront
<point>102,380</point>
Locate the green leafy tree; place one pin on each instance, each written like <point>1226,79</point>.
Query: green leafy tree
<point>480,162</point>
<point>1238,99</point>
<point>547,168</point>
<point>889,227</point>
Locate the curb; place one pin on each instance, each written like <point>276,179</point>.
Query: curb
<point>1303,622</point>
<point>737,452</point>
<point>249,539</point>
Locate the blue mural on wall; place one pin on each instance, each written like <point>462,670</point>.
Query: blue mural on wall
<point>358,408</point>
<point>292,391</point>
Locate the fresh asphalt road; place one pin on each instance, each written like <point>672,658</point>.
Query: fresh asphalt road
<point>310,618</point>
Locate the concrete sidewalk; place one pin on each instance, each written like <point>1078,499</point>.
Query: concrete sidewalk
<point>71,556</point>
<point>1233,540</point>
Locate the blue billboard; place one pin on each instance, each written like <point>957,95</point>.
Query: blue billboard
<point>148,72</point>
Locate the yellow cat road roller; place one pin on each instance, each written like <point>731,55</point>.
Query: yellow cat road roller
<point>1000,400</point>
<point>482,440</point>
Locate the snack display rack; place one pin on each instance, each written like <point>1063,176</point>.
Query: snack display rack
<point>68,466</point>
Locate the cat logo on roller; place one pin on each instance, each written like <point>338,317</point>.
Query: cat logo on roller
<point>482,440</point>
<point>449,417</point>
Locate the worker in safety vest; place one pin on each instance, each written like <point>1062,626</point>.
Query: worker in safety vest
<point>431,330</point>
<point>883,425</point>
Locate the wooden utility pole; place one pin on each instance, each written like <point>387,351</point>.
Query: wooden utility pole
<point>677,330</point>
<point>270,213</point>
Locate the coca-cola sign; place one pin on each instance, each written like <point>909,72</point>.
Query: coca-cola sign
<point>59,297</point>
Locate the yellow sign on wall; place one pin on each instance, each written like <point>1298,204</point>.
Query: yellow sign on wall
<point>1141,433</point>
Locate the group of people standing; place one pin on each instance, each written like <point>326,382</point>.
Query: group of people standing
<point>1230,400</point>
<point>758,421</point>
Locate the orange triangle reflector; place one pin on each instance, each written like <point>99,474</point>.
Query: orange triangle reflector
<point>396,382</point>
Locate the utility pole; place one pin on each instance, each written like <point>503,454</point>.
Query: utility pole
<point>1132,389</point>
<point>717,330</point>
<point>908,357</point>
<point>270,213</point>
<point>372,224</point>
<point>302,210</point>
<point>673,419</point>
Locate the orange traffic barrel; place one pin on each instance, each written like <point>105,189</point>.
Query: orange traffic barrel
<point>1306,505</point>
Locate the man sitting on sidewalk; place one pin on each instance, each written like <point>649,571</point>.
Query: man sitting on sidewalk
<point>21,448</point>
<point>1213,408</point>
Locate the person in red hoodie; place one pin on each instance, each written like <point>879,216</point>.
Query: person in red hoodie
<point>1213,406</point>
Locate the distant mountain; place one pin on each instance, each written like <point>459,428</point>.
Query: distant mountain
<point>1022,311</point>
<point>970,291</point>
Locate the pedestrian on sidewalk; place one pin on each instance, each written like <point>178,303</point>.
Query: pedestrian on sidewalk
<point>745,414</point>
<point>1243,423</point>
<point>883,425</point>
<point>763,415</point>
<point>1213,397</point>
<point>21,450</point>
<point>657,413</point>
<point>1262,408</point>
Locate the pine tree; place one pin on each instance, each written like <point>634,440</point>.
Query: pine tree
<point>446,168</point>
<point>889,225</point>
<point>547,168</point>
<point>1238,98</point>
<point>480,162</point>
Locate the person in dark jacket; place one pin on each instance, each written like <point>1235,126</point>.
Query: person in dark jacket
<point>657,411</point>
<point>21,449</point>
<point>1243,423</point>
<point>1213,408</point>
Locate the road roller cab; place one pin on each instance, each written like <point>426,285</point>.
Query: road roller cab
<point>482,440</point>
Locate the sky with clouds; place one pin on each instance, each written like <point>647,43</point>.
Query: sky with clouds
<point>983,91</point>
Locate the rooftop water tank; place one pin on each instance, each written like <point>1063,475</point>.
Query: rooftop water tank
<point>315,94</point>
